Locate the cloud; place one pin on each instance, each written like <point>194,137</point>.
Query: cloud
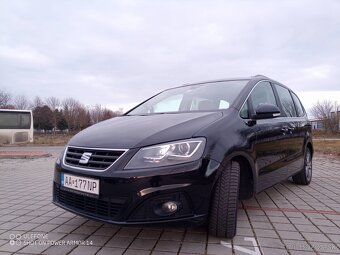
<point>121,52</point>
<point>23,57</point>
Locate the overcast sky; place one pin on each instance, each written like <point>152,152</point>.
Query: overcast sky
<point>118,53</point>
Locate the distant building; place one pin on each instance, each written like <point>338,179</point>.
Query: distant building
<point>317,124</point>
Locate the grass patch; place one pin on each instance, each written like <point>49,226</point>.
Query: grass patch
<point>51,139</point>
<point>322,134</point>
<point>327,146</point>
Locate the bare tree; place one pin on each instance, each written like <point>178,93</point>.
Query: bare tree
<point>96,113</point>
<point>75,114</point>
<point>99,113</point>
<point>5,99</point>
<point>37,101</point>
<point>53,103</point>
<point>328,114</point>
<point>21,102</point>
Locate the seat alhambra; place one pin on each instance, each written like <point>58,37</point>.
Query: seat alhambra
<point>187,155</point>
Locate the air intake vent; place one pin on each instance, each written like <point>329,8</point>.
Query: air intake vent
<point>94,159</point>
<point>88,205</point>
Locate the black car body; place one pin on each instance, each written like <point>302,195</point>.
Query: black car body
<point>161,162</point>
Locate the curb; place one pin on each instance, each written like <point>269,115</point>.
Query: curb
<point>23,154</point>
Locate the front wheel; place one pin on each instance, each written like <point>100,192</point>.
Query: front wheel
<point>305,176</point>
<point>223,214</point>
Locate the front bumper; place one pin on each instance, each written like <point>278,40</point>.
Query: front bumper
<point>132,198</point>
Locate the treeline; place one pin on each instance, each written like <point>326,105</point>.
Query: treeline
<point>53,114</point>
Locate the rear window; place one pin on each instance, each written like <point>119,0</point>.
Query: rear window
<point>299,108</point>
<point>15,120</point>
<point>286,101</point>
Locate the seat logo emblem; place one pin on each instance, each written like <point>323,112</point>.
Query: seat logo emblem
<point>85,158</point>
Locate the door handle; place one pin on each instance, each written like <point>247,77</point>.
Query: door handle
<point>287,130</point>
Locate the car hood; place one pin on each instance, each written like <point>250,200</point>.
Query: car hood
<point>126,132</point>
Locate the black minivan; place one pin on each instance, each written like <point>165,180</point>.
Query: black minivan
<point>187,155</point>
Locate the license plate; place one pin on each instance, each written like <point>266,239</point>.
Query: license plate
<point>80,183</point>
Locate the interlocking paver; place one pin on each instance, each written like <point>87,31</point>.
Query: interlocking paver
<point>136,252</point>
<point>285,219</point>
<point>270,242</point>
<point>106,231</point>
<point>150,234</point>
<point>172,236</point>
<point>65,228</point>
<point>318,237</point>
<point>325,247</point>
<point>119,242</point>
<point>46,227</point>
<point>129,232</point>
<point>110,251</point>
<point>290,235</point>
<point>297,245</point>
<point>284,226</point>
<point>143,244</point>
<point>265,233</point>
<point>88,230</point>
<point>195,237</point>
<point>164,253</point>
<point>85,250</point>
<point>217,249</point>
<point>271,251</point>
<point>172,246</point>
<point>193,248</point>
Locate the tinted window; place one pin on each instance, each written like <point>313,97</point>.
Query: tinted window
<point>263,94</point>
<point>244,113</point>
<point>298,106</point>
<point>15,120</point>
<point>286,101</point>
<point>201,97</point>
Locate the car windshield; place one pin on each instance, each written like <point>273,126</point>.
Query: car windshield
<point>210,96</point>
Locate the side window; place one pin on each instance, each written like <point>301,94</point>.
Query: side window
<point>286,101</point>
<point>299,109</point>
<point>244,113</point>
<point>263,94</point>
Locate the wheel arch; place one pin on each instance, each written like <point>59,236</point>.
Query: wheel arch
<point>309,145</point>
<point>248,174</point>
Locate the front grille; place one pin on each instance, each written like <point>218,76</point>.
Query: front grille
<point>88,205</point>
<point>95,159</point>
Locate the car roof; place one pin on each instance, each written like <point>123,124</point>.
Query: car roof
<point>227,79</point>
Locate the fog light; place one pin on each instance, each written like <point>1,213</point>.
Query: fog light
<point>169,207</point>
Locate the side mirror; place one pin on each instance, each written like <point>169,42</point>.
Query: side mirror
<point>266,111</point>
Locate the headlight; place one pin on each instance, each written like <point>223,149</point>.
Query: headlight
<point>168,154</point>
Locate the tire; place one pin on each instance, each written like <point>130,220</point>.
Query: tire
<point>305,176</point>
<point>223,214</point>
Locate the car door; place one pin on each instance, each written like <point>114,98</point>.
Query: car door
<point>270,147</point>
<point>294,129</point>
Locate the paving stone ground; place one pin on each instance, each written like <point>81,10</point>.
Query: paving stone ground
<point>285,219</point>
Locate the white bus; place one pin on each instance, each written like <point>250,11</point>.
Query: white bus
<point>16,126</point>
